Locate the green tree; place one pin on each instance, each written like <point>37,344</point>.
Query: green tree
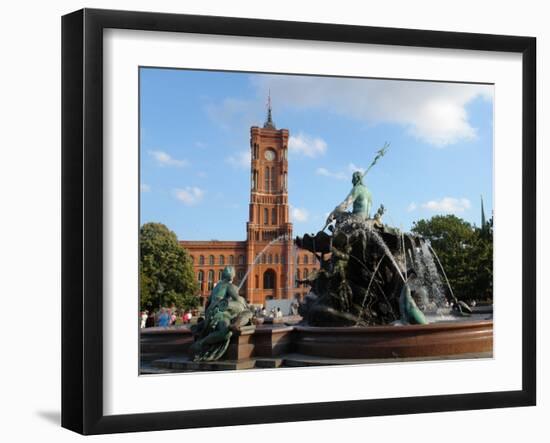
<point>165,269</point>
<point>465,251</point>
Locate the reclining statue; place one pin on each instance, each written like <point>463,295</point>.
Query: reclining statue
<point>226,311</point>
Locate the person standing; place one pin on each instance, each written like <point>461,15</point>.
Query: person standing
<point>144,317</point>
<point>164,318</point>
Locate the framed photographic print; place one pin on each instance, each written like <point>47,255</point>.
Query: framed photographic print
<point>293,221</point>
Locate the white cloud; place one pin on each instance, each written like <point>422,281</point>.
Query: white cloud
<point>145,188</point>
<point>307,145</point>
<point>447,205</point>
<point>240,159</point>
<point>299,214</point>
<point>191,195</point>
<point>432,112</point>
<point>412,207</point>
<point>165,159</point>
<point>326,173</point>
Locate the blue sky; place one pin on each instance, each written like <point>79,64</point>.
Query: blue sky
<point>195,173</point>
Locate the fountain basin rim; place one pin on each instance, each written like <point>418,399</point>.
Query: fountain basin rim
<point>443,325</point>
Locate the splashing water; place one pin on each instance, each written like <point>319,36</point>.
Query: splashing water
<point>380,241</point>
<point>291,261</point>
<point>431,277</point>
<point>444,274</point>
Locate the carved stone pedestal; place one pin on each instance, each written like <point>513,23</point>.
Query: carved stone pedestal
<point>241,346</point>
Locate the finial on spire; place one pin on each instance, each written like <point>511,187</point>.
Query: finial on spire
<point>269,122</point>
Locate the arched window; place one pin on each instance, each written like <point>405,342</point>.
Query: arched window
<point>270,259</point>
<point>231,259</point>
<point>267,178</point>
<point>210,280</point>
<point>255,179</point>
<point>269,279</point>
<point>283,259</point>
<point>273,216</point>
<point>201,260</point>
<point>266,216</point>
<point>276,259</point>
<point>306,260</point>
<point>222,260</point>
<point>200,279</point>
<point>241,259</point>
<point>297,277</point>
<point>240,275</point>
<point>192,259</point>
<point>297,259</point>
<point>264,258</point>
<point>220,275</point>
<point>211,260</point>
<point>306,273</point>
<point>273,187</point>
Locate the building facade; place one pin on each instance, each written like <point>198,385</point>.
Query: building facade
<point>269,251</point>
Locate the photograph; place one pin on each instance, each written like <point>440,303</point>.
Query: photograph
<point>294,221</point>
<point>275,221</point>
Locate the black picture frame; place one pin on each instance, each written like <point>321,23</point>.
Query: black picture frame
<point>82,219</point>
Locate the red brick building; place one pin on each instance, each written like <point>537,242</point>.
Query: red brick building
<point>273,268</point>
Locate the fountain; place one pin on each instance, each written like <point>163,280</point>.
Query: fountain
<point>364,270</point>
<point>380,293</point>
<point>374,278</point>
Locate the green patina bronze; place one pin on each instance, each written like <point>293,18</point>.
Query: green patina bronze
<point>359,196</point>
<point>410,313</point>
<point>226,311</point>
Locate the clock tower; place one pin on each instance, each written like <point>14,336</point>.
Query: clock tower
<point>268,221</point>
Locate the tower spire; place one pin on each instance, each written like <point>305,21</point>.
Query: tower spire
<point>269,122</point>
<point>483,220</point>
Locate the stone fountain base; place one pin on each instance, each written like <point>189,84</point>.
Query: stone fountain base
<point>433,340</point>
<point>277,346</point>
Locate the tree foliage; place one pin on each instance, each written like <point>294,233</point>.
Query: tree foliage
<point>465,251</point>
<point>165,270</point>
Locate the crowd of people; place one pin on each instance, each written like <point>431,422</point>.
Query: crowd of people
<point>261,311</point>
<point>165,317</point>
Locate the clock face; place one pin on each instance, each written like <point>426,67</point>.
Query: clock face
<point>269,155</point>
